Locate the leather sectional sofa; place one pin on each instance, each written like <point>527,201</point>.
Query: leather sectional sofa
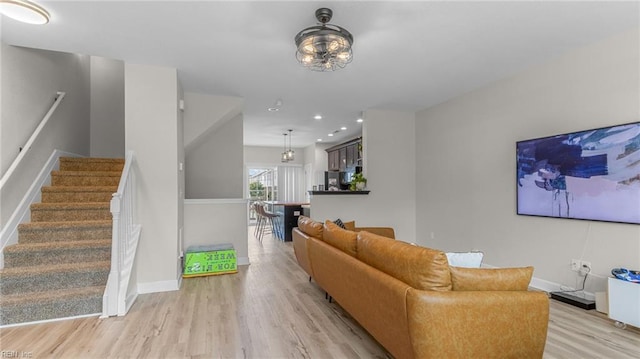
<point>417,306</point>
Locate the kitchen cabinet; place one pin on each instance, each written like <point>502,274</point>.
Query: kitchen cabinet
<point>344,156</point>
<point>352,153</point>
<point>334,160</point>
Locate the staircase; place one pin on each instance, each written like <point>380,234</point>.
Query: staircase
<point>60,265</point>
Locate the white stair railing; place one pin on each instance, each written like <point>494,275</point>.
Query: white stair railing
<point>27,146</point>
<point>124,244</point>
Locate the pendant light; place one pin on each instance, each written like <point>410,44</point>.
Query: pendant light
<point>285,157</point>
<point>290,153</point>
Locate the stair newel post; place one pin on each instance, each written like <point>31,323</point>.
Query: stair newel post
<point>116,257</point>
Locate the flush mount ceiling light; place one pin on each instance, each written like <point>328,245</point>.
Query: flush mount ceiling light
<point>24,11</point>
<point>324,47</point>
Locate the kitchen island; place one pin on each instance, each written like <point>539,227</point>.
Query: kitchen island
<point>288,213</point>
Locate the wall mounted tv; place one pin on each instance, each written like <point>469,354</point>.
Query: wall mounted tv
<point>593,175</point>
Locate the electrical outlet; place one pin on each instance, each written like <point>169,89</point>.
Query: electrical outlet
<point>585,268</point>
<point>576,265</point>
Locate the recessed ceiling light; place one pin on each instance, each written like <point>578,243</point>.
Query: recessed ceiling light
<point>276,106</point>
<point>359,120</point>
<point>24,11</point>
<point>317,117</point>
<point>330,135</point>
<point>319,140</point>
<point>343,128</point>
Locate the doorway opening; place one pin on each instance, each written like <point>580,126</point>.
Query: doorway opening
<point>262,186</point>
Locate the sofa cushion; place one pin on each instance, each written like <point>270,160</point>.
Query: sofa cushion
<point>342,239</point>
<point>339,223</point>
<point>421,268</point>
<point>500,279</point>
<point>310,227</point>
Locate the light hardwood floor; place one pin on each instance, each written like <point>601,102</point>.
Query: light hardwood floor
<point>267,310</point>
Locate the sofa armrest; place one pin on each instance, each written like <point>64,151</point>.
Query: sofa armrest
<point>301,250</point>
<point>490,324</point>
<point>381,231</point>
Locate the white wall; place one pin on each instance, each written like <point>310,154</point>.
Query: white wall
<point>205,113</point>
<point>217,221</point>
<point>316,156</point>
<point>258,155</point>
<point>214,166</point>
<point>152,123</point>
<point>389,153</point>
<point>466,179</point>
<point>30,79</point>
<point>107,107</point>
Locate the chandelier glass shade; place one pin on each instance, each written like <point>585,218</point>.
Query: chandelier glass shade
<point>324,47</point>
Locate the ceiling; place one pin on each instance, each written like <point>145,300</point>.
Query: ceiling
<point>407,55</point>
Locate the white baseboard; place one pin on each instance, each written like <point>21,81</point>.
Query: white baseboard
<point>22,214</point>
<point>160,286</point>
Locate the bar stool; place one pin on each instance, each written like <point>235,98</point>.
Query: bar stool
<point>262,222</point>
<point>274,220</point>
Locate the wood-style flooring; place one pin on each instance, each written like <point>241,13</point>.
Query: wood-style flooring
<point>269,309</point>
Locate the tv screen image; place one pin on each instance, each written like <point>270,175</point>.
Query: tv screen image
<point>593,175</point>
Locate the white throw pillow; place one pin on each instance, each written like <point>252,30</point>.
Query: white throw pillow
<point>465,259</point>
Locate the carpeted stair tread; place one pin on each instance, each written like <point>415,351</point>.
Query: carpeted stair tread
<point>31,307</point>
<point>51,295</point>
<point>91,164</point>
<point>71,205</point>
<point>79,189</point>
<point>56,268</point>
<point>85,178</point>
<point>76,211</point>
<point>64,225</point>
<point>78,193</point>
<point>87,173</point>
<point>64,231</point>
<point>53,277</point>
<point>18,255</point>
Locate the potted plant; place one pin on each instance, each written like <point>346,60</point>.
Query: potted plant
<point>358,182</point>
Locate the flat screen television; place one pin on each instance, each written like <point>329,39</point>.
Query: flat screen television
<point>592,175</point>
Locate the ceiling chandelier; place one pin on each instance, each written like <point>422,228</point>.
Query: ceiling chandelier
<point>24,11</point>
<point>324,47</point>
<point>287,154</point>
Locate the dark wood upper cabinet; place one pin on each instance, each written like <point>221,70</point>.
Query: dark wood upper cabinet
<point>352,153</point>
<point>345,155</point>
<point>343,158</point>
<point>334,160</point>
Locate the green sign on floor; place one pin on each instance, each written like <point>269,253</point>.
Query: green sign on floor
<point>209,260</point>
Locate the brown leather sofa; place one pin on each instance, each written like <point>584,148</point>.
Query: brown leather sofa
<point>417,306</point>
